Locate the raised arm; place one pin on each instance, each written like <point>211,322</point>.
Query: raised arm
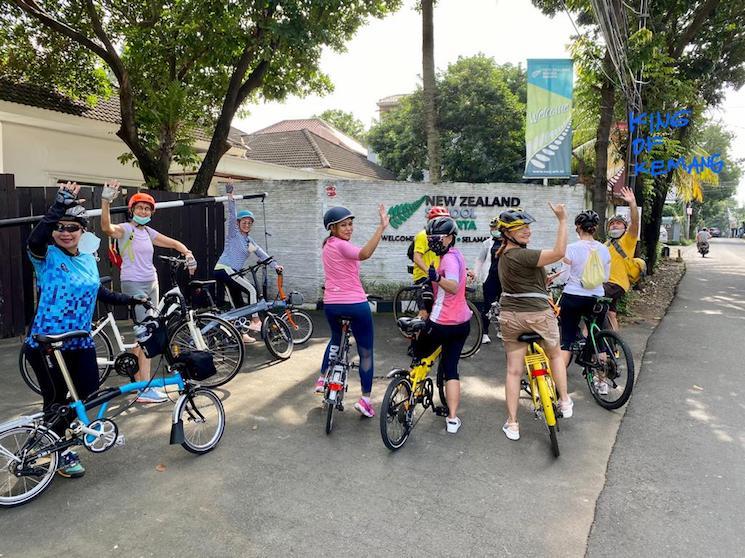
<point>369,248</point>
<point>109,194</point>
<point>628,195</point>
<point>548,257</point>
<point>41,235</point>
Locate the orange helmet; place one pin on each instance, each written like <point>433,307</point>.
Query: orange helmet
<point>437,211</point>
<point>141,197</point>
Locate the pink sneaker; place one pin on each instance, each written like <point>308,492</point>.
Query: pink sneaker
<point>365,408</point>
<point>320,384</point>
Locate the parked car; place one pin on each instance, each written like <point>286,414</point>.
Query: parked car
<point>715,232</point>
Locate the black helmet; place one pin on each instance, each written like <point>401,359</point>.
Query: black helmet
<point>514,219</point>
<point>587,219</point>
<point>336,215</point>
<point>76,213</point>
<point>441,225</point>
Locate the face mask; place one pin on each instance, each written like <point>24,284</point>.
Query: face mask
<point>496,234</point>
<point>89,243</point>
<point>140,220</point>
<point>616,233</point>
<point>437,245</point>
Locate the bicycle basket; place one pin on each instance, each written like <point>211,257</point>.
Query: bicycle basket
<point>295,299</point>
<point>154,338</point>
<point>195,365</point>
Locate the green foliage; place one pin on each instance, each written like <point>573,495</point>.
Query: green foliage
<point>402,212</point>
<point>344,122</point>
<point>481,123</point>
<point>189,64</point>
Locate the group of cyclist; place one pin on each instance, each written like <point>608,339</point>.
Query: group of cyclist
<point>69,286</point>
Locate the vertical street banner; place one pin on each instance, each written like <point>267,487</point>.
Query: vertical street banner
<point>548,126</point>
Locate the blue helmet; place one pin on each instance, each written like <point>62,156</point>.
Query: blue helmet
<point>336,215</point>
<point>245,213</point>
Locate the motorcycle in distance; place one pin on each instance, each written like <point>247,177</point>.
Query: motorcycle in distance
<point>703,248</point>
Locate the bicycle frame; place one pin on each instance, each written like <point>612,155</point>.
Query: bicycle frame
<point>538,369</point>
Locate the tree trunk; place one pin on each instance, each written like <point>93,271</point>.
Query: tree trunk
<point>430,92</point>
<point>218,147</point>
<point>651,226</point>
<point>602,140</point>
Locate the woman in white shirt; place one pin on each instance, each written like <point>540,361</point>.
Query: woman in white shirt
<point>578,300</point>
<point>486,271</point>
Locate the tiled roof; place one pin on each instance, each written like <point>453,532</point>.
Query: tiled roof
<point>105,110</point>
<point>305,149</point>
<point>316,125</point>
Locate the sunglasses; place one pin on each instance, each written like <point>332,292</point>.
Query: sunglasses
<point>71,228</point>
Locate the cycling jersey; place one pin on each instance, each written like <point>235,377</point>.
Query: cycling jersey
<point>341,266</point>
<point>451,309</point>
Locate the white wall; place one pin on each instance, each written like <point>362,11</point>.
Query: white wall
<point>294,217</point>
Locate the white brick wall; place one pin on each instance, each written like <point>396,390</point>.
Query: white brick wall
<point>294,218</point>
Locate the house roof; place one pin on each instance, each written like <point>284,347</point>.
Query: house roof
<point>105,110</point>
<point>306,149</point>
<point>317,126</point>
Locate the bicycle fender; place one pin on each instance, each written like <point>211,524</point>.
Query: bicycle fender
<point>397,373</point>
<point>177,427</point>
<point>20,421</point>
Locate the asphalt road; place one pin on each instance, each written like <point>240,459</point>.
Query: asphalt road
<point>278,486</point>
<point>675,478</point>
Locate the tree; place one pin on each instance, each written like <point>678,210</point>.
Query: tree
<point>344,122</point>
<point>180,67</point>
<point>430,92</point>
<point>482,125</point>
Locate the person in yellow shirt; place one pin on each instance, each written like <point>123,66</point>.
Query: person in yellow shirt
<point>622,243</point>
<point>423,258</point>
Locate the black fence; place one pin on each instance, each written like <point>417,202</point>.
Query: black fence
<point>200,227</point>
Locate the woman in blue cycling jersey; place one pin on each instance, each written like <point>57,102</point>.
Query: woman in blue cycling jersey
<point>238,247</point>
<point>69,286</point>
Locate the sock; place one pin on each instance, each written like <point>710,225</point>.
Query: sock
<point>366,399</point>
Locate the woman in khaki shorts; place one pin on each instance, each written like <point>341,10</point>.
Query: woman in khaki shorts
<point>525,306</point>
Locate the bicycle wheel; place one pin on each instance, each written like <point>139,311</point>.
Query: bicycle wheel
<point>38,475</point>
<point>610,374</point>
<point>473,341</point>
<point>222,340</point>
<point>203,420</point>
<point>277,337</point>
<point>104,355</point>
<point>547,403</point>
<point>404,303</point>
<point>300,324</point>
<point>329,416</point>
<point>396,414</point>
<point>441,388</point>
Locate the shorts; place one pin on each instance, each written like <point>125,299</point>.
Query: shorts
<point>513,324</point>
<point>148,288</point>
<point>573,309</point>
<point>452,338</point>
<point>614,293</point>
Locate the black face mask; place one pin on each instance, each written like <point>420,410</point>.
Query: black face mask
<point>437,245</point>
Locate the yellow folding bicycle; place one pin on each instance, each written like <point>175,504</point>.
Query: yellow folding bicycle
<point>408,390</point>
<point>541,388</point>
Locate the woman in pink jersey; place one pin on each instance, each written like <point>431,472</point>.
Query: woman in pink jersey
<point>449,323</point>
<point>344,295</point>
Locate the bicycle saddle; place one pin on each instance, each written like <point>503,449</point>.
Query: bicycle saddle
<point>49,339</point>
<point>530,337</point>
<point>411,325</point>
<point>202,283</point>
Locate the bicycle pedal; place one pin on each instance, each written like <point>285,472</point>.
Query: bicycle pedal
<point>441,411</point>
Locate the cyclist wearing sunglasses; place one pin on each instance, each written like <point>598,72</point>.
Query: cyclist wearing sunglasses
<point>69,286</point>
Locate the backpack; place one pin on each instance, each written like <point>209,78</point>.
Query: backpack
<point>593,275</point>
<point>410,251</point>
<point>636,268</point>
<point>115,255</point>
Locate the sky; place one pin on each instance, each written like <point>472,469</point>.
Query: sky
<point>384,58</point>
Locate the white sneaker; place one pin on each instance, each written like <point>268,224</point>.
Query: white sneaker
<point>254,326</point>
<point>499,335</point>
<point>247,339</point>
<point>601,386</point>
<point>512,431</point>
<point>566,408</point>
<point>452,425</point>
<point>485,339</point>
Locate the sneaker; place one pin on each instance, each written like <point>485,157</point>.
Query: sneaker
<point>151,395</point>
<point>70,466</point>
<point>566,408</point>
<point>364,407</point>
<point>485,339</point>
<point>601,387</point>
<point>452,425</point>
<point>254,326</point>
<point>499,335</point>
<point>247,339</point>
<point>320,384</point>
<point>511,430</point>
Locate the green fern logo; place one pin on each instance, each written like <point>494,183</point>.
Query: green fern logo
<point>401,213</point>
